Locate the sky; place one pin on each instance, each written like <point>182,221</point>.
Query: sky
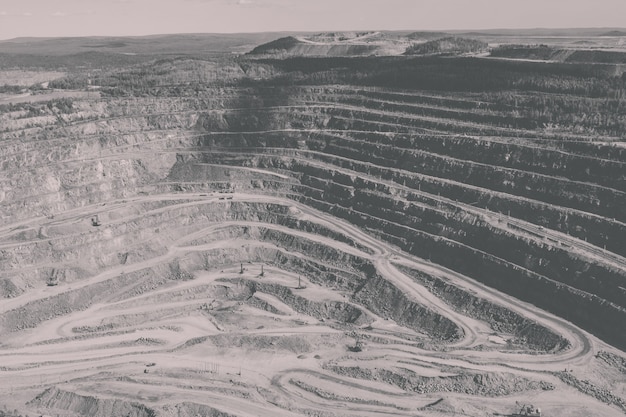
<point>145,17</point>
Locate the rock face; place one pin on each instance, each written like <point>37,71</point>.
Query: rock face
<point>386,300</point>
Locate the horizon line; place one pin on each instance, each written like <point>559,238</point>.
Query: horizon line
<point>324,31</point>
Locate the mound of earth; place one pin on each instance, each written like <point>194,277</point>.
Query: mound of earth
<point>334,44</point>
<point>281,45</point>
<point>347,37</point>
<point>54,398</point>
<point>427,35</point>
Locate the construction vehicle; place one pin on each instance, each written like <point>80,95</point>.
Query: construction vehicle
<point>358,346</point>
<point>300,286</point>
<point>358,343</point>
<point>528,410</point>
<point>95,221</point>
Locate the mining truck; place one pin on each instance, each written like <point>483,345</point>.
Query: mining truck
<point>528,410</point>
<point>95,221</point>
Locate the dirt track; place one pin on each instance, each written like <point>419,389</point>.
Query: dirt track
<point>143,330</point>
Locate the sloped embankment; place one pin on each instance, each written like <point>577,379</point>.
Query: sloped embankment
<point>335,310</point>
<point>490,384</point>
<point>500,318</point>
<point>58,399</point>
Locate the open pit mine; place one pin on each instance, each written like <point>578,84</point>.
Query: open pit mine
<point>275,235</point>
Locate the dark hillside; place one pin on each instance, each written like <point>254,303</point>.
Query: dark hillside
<point>449,45</point>
<point>276,46</point>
